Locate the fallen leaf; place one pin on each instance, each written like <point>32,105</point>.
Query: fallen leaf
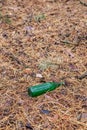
<point>54,118</point>
<point>27,71</point>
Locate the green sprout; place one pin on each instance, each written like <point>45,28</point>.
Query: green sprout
<point>40,17</point>
<point>5,18</point>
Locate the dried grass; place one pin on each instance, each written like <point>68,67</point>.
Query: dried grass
<point>24,53</point>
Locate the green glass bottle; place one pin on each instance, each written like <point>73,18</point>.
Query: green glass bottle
<point>40,89</point>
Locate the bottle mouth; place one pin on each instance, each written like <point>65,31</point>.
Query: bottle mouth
<point>60,83</point>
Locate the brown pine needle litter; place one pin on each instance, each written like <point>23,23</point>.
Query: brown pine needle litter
<point>46,38</point>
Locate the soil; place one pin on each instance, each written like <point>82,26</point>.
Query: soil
<point>42,41</point>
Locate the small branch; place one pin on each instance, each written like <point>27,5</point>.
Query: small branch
<point>13,57</point>
<point>66,42</point>
<point>83,3</point>
<point>83,76</point>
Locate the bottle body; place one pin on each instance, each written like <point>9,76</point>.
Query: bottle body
<point>40,89</point>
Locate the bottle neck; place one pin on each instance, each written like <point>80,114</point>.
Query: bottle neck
<point>57,84</point>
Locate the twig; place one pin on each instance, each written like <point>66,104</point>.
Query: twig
<point>13,57</point>
<point>83,76</point>
<point>66,42</point>
<point>83,3</point>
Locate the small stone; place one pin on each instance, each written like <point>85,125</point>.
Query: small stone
<point>45,111</point>
<point>28,126</point>
<point>39,76</point>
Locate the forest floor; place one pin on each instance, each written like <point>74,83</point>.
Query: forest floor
<point>42,41</point>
